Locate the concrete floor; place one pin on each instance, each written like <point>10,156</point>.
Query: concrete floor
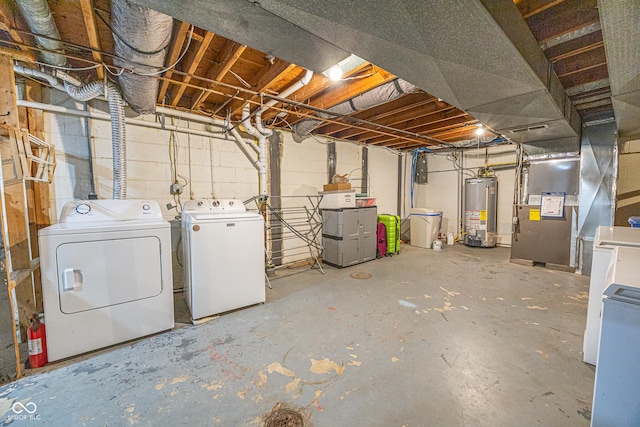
<point>460,337</point>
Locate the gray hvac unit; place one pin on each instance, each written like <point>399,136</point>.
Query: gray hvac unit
<point>480,211</point>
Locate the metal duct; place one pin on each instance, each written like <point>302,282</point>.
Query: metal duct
<point>141,36</point>
<point>118,135</point>
<point>620,20</point>
<point>38,17</point>
<point>478,55</point>
<point>598,171</point>
<point>380,95</point>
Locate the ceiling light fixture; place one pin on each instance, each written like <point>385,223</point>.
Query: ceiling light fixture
<point>343,67</point>
<point>335,73</point>
<point>480,130</point>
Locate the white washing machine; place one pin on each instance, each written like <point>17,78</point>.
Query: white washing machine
<point>223,248</point>
<point>106,275</point>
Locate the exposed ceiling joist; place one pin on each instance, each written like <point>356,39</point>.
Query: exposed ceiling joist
<point>92,33</point>
<point>269,74</point>
<point>227,57</point>
<point>175,51</point>
<point>195,62</point>
<point>318,84</point>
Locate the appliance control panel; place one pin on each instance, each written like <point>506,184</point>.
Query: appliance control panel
<point>110,210</point>
<point>217,206</point>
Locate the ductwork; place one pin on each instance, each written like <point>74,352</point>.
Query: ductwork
<point>620,33</point>
<point>118,135</point>
<point>38,17</point>
<point>478,55</point>
<point>141,37</point>
<point>380,95</point>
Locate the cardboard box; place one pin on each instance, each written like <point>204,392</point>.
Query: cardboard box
<point>341,186</point>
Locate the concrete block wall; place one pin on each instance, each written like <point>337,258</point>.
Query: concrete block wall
<point>383,179</point>
<point>206,166</point>
<point>69,134</point>
<point>442,191</point>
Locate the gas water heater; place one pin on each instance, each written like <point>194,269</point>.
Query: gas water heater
<point>480,206</point>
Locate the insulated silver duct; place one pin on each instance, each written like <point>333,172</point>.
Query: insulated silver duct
<point>118,136</point>
<point>141,36</point>
<point>38,17</point>
<point>382,94</point>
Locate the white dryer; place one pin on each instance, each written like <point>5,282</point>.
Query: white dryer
<point>106,275</point>
<point>223,248</point>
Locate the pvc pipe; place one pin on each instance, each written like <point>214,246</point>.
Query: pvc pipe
<point>106,117</point>
<point>193,117</point>
<point>262,148</point>
<point>290,90</point>
<point>265,131</point>
<point>52,80</point>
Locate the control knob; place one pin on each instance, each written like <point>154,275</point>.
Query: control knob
<point>83,208</point>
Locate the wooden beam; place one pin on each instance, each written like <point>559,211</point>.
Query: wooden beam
<point>174,54</point>
<point>425,129</point>
<point>38,198</point>
<point>347,90</point>
<point>318,84</point>
<point>578,51</point>
<point>20,55</point>
<point>414,115</point>
<point>15,244</point>
<point>565,18</point>
<point>202,49</point>
<point>92,33</point>
<point>227,57</point>
<point>269,74</point>
<point>6,25</point>
<point>530,8</point>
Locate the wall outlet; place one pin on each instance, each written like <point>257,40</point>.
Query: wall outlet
<point>175,188</point>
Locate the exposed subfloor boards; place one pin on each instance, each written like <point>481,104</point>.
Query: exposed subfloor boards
<point>458,337</point>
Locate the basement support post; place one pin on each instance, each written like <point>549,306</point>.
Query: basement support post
<point>275,190</point>
<point>365,171</point>
<point>331,160</point>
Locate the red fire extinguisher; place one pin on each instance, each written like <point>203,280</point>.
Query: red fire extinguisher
<point>37,340</point>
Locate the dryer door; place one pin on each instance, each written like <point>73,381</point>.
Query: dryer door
<point>102,273</point>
